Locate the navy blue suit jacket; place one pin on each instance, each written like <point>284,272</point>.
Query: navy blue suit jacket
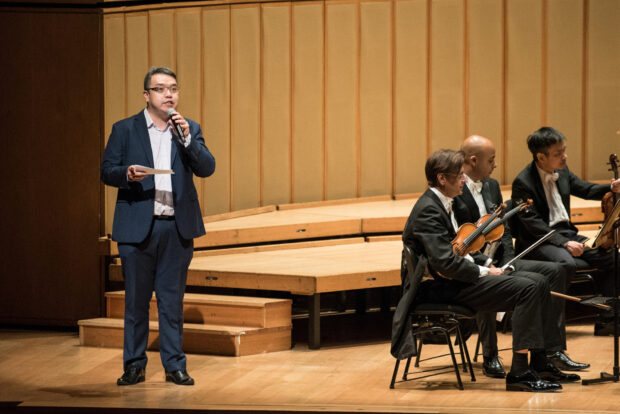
<point>129,144</point>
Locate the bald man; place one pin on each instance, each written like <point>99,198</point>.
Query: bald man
<point>481,195</point>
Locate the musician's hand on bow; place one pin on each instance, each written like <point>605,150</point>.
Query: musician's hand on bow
<point>574,248</point>
<point>495,271</point>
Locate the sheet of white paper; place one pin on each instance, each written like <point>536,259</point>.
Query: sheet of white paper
<point>500,316</point>
<point>149,170</point>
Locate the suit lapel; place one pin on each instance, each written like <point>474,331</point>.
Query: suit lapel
<point>445,215</point>
<point>143,136</point>
<point>173,150</point>
<point>564,188</point>
<point>487,197</point>
<point>543,208</point>
<point>468,198</point>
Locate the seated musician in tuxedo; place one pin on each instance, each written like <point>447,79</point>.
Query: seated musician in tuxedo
<point>429,231</point>
<point>549,183</point>
<point>482,195</point>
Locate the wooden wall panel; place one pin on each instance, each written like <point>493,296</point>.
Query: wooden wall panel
<point>137,60</point>
<point>276,105</point>
<point>485,80</point>
<point>603,86</point>
<point>342,97</point>
<point>375,98</point>
<point>216,196</point>
<point>114,87</point>
<point>317,100</point>
<point>189,70</point>
<point>162,29</point>
<point>245,106</point>
<point>308,160</point>
<point>447,74</point>
<point>524,81</point>
<point>410,95</point>
<point>565,75</point>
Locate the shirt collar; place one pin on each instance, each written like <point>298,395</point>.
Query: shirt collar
<point>149,121</point>
<point>445,201</point>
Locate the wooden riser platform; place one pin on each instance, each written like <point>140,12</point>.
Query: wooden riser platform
<point>197,338</point>
<point>217,310</point>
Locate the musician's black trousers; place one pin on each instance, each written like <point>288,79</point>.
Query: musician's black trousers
<point>526,294</point>
<point>599,259</point>
<point>556,277</point>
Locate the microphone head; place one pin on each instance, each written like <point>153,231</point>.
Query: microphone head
<point>170,111</point>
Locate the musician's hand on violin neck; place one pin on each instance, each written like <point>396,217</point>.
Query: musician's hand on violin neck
<point>615,186</point>
<point>574,248</point>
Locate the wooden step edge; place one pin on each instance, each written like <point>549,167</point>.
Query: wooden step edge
<point>195,299</point>
<point>113,323</point>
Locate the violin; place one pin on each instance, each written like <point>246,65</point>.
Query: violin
<point>470,238</point>
<point>610,198</point>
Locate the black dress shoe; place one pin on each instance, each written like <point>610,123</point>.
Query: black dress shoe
<point>530,381</point>
<point>131,376</point>
<point>179,377</point>
<point>552,374</point>
<point>492,367</point>
<point>564,363</point>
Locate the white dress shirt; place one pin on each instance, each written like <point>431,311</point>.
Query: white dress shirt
<point>161,145</point>
<point>557,211</point>
<point>475,188</point>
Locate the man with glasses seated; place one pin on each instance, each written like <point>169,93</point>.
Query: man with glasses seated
<point>468,281</point>
<point>157,216</point>
<point>549,183</point>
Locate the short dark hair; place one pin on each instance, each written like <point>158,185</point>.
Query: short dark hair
<point>443,161</point>
<point>154,71</point>
<point>543,138</point>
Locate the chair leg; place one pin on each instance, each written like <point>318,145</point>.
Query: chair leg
<point>471,369</point>
<point>417,358</point>
<point>459,337</point>
<point>395,372</point>
<point>456,366</point>
<point>406,369</point>
<point>478,343</point>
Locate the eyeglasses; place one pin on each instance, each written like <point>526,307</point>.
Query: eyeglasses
<point>458,176</point>
<point>160,89</point>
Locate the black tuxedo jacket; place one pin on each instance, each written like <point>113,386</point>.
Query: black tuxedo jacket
<point>428,233</point>
<point>534,223</point>
<point>466,211</point>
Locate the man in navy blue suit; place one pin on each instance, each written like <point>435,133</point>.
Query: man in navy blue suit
<point>155,220</point>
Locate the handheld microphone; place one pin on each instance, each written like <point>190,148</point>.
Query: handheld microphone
<point>179,131</point>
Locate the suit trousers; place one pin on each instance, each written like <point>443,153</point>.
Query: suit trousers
<point>158,263</point>
<point>526,294</point>
<point>599,259</point>
<point>556,278</point>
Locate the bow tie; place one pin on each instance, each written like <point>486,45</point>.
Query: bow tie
<point>552,177</point>
<point>476,187</point>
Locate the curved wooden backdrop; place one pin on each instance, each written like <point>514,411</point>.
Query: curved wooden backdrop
<point>331,99</point>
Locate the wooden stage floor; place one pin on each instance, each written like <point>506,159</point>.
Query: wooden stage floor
<point>50,369</point>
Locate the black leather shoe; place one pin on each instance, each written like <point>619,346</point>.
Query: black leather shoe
<point>564,363</point>
<point>492,367</point>
<point>179,377</point>
<point>530,381</point>
<point>552,374</point>
<point>131,376</point>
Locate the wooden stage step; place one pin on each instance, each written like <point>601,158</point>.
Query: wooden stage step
<point>197,338</point>
<point>217,310</point>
